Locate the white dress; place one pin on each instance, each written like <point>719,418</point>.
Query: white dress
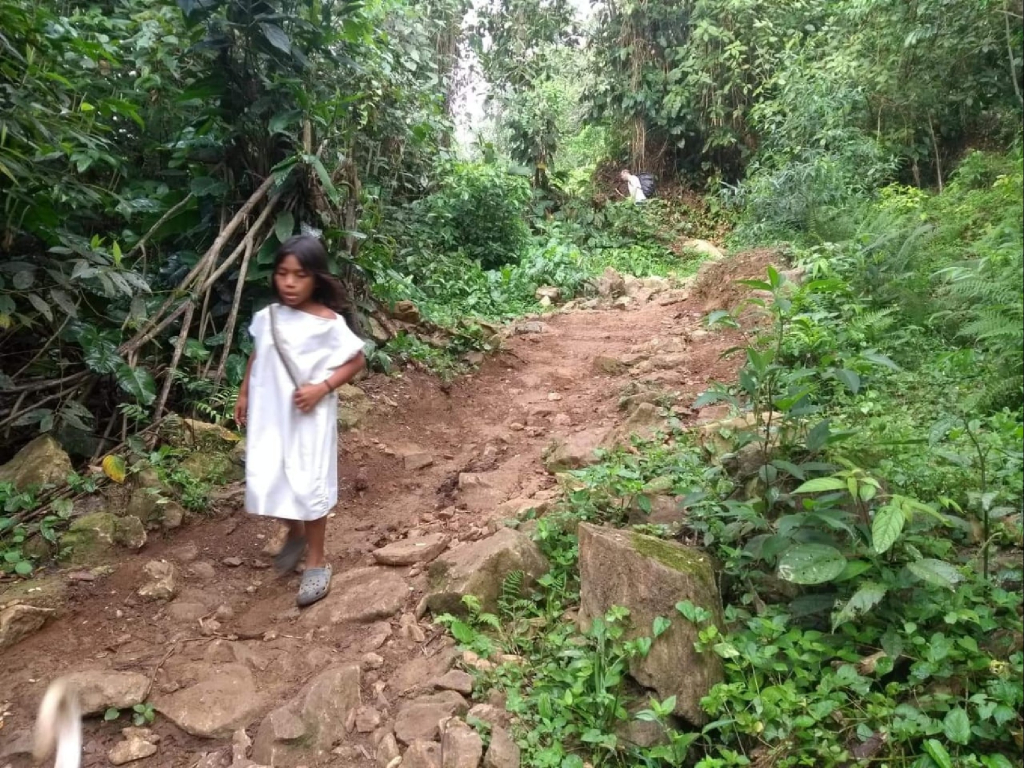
<point>291,458</point>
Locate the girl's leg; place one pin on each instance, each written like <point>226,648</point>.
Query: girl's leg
<point>316,531</point>
<point>296,528</point>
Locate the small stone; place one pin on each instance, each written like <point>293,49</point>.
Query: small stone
<point>494,716</point>
<point>461,746</point>
<point>163,583</point>
<point>503,752</point>
<point>173,515</point>
<point>371,661</point>
<point>422,754</point>
<point>203,571</point>
<point>417,460</point>
<point>554,397</point>
<point>367,719</point>
<point>130,750</point>
<point>422,549</point>
<point>410,629</point>
<point>455,680</point>
<point>18,621</point>
<point>387,751</point>
<point>231,562</point>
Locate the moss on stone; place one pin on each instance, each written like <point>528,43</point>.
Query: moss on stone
<point>674,556</point>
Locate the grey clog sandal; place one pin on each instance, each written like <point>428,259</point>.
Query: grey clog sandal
<point>314,586</point>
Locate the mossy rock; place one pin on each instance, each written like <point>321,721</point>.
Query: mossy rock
<point>353,407</point>
<point>198,435</point>
<point>212,468</point>
<point>649,577</point>
<point>90,538</point>
<point>41,462</point>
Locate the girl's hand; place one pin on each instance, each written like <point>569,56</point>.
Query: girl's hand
<point>308,396</point>
<point>241,409</point>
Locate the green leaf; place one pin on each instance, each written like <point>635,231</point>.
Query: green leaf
<point>850,379</point>
<point>937,572</point>
<point>879,359</point>
<point>41,306</point>
<point>822,484</point>
<point>137,382</point>
<point>207,186</point>
<point>23,568</point>
<point>934,749</point>
<point>284,226</point>
<point>276,37</point>
<point>101,356</point>
<point>111,714</point>
<point>817,438</point>
<point>863,600</point>
<point>957,726</point>
<point>811,564</point>
<point>325,178</point>
<point>661,625</point>
<point>887,527</point>
<point>62,300</point>
<point>462,632</point>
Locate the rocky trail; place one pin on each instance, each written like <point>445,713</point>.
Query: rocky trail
<point>197,624</point>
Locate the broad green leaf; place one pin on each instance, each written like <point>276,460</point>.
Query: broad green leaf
<point>23,568</point>
<point>934,749</point>
<point>956,725</point>
<point>137,382</point>
<point>111,714</point>
<point>863,600</point>
<point>661,625</point>
<point>821,485</point>
<point>937,572</point>
<point>101,356</point>
<point>284,226</point>
<point>850,379</point>
<point>880,359</point>
<point>811,564</point>
<point>817,438</point>
<point>276,37</point>
<point>114,468</point>
<point>887,527</point>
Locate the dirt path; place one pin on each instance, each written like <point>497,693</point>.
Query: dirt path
<point>233,625</point>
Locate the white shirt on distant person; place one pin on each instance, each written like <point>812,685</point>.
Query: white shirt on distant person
<point>636,192</point>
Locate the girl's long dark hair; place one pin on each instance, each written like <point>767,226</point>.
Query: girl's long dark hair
<point>327,289</point>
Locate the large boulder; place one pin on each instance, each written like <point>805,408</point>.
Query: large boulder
<point>310,724</point>
<point>649,576</point>
<point>419,719</point>
<point>575,451</point>
<point>103,689</point>
<point>90,538</point>
<point>704,248</point>
<point>362,595</point>
<point>222,699</point>
<point>41,462</point>
<point>479,569</point>
<point>502,752</point>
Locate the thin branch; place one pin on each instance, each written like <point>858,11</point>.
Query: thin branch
<point>179,347</point>
<point>229,329</point>
<point>173,211</point>
<point>1009,50</point>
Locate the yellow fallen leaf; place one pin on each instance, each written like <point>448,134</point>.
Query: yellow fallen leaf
<point>114,468</point>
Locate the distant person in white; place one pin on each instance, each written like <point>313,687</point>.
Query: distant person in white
<point>636,192</point>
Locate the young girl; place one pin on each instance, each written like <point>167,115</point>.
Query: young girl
<point>303,351</point>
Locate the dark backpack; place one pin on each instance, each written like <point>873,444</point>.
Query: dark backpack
<point>646,184</point>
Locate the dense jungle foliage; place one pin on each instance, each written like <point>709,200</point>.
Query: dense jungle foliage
<point>153,155</point>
